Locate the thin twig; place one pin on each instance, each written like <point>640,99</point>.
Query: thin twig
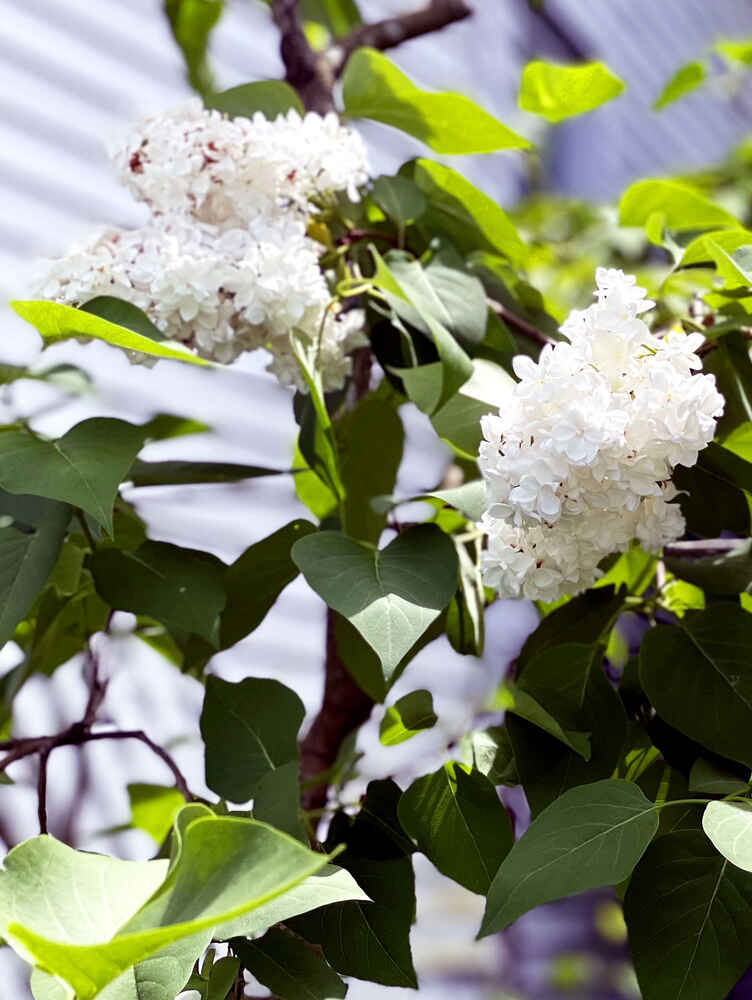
<point>393,31</point>
<point>307,71</point>
<point>522,326</point>
<point>702,548</point>
<point>44,756</point>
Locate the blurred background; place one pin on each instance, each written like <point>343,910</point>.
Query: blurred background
<point>74,73</point>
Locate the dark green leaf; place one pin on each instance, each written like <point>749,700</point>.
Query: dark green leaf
<point>289,967</point>
<point>249,730</point>
<point>729,510</point>
<point>373,87</point>
<point>123,313</point>
<point>270,97</point>
<point>696,674</point>
<point>585,619</point>
<point>559,92</point>
<point>180,473</point>
<point>370,440</point>
<point>84,467</point>
<point>730,364</point>
<point>256,579</point>
<point>390,595</point>
<point>709,777</point>
<point>276,800</point>
<point>182,588</point>
<point>589,837</point>
<point>517,701</point>
<point>689,916</point>
<point>406,717</point>
<point>27,556</point>
<point>459,822</point>
<point>569,682</point>
<point>399,198</point>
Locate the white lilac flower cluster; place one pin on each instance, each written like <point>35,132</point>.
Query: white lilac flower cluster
<point>225,264</point>
<point>578,462</point>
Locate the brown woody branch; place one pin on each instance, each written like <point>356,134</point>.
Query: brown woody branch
<point>393,31</point>
<point>519,324</point>
<point>77,734</point>
<point>313,74</point>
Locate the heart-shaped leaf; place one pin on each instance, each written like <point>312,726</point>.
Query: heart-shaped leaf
<point>390,595</point>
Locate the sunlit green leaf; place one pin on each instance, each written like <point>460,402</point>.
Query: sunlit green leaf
<point>559,92</point>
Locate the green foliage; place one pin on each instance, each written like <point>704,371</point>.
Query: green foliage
<point>459,822</point>
<point>182,588</point>
<point>191,22</point>
<point>407,717</point>
<point>289,968</point>
<point>728,825</point>
<point>373,87</point>
<point>689,915</point>
<point>694,674</point>
<point>83,468</point>
<point>270,97</point>
<point>658,205</point>
<point>589,837</point>
<point>686,79</point>
<point>56,322</point>
<point>249,729</point>
<point>390,595</point>
<point>559,92</point>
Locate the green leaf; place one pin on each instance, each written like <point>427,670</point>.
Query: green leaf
<point>28,556</point>
<point>709,777</point>
<point>559,92</point>
<point>331,885</point>
<point>181,473</point>
<point>678,207</point>
<point>123,313</point>
<point>728,573</point>
<point>390,595</point>
<point>429,310</point>
<point>730,364</point>
<point>736,50</point>
<point>373,87</point>
<point>191,22</point>
<point>249,729</point>
<point>153,808</point>
<point>269,97</point>
<point>407,717</point>
<point>56,322</point>
<point>462,213</point>
<point>316,441</point>
<point>84,467</point>
<point>465,626</point>
<point>256,579</point>
<point>569,683</point>
<point>696,676</point>
<point>469,499</point>
<point>590,837</point>
<point>370,440</point>
<point>689,916</point>
<point>182,588</point>
<point>399,198</point>
<point>587,618</point>
<point>517,701</point>
<point>370,940</point>
<point>226,867</point>
<point>459,823</point>
<point>728,826</point>
<point>289,967</point>
<point>276,800</point>
<point>222,977</point>
<point>686,79</point>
